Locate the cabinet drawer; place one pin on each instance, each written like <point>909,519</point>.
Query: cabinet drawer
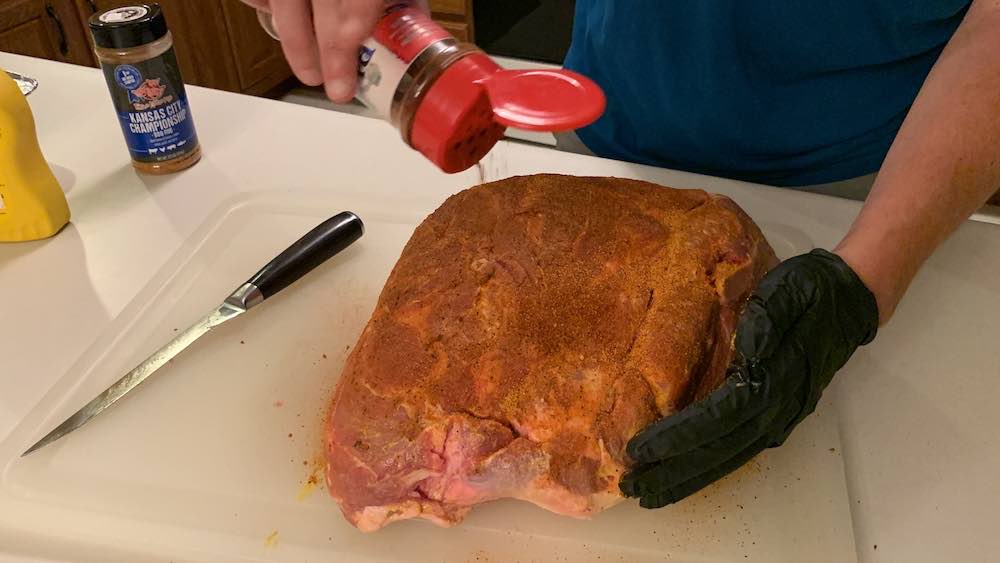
<point>30,38</point>
<point>48,30</point>
<point>451,7</point>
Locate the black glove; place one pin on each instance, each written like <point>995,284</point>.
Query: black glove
<point>800,326</point>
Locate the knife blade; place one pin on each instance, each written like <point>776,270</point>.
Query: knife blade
<point>315,247</point>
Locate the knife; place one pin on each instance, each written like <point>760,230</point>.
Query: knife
<point>314,248</point>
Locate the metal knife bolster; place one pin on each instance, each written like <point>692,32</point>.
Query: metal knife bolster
<point>247,296</point>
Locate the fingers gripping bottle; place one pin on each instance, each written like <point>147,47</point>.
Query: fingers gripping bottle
<point>450,100</point>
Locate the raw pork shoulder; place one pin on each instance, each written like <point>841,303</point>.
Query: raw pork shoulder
<point>529,329</point>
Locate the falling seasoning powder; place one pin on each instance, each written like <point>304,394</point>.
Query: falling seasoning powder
<point>136,51</point>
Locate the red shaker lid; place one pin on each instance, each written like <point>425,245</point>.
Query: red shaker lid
<point>454,125</point>
<point>543,100</point>
<point>467,109</point>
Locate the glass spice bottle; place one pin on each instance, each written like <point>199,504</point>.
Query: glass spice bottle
<point>136,53</point>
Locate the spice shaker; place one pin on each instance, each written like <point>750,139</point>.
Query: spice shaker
<point>136,52</point>
<point>450,100</point>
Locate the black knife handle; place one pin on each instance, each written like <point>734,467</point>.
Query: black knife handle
<point>314,248</point>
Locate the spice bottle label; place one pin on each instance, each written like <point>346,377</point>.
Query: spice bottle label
<point>379,73</point>
<point>399,37</point>
<point>152,108</point>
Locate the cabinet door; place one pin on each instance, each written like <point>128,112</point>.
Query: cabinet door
<point>201,41</point>
<point>260,64</point>
<point>456,16</point>
<point>461,30</point>
<point>48,29</point>
<point>451,7</point>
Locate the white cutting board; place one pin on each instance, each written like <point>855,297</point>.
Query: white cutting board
<point>210,460</point>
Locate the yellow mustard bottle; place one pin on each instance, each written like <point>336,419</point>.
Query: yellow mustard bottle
<point>32,205</point>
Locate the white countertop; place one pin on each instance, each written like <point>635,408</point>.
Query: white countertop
<point>917,412</point>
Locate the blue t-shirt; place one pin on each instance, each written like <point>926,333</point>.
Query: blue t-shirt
<point>786,93</point>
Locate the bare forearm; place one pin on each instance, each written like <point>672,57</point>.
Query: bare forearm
<point>943,165</point>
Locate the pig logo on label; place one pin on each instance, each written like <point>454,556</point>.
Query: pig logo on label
<point>149,95</point>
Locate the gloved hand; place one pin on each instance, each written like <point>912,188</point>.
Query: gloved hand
<point>800,326</point>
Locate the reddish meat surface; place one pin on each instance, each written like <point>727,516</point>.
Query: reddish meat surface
<point>529,329</point>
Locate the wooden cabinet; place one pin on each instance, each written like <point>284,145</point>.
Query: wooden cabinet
<point>461,30</point>
<point>218,44</point>
<point>451,7</point>
<point>48,29</point>
<point>258,59</point>
<point>456,17</point>
<point>202,52</point>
